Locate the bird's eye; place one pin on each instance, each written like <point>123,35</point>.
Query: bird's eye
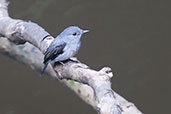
<point>74,34</point>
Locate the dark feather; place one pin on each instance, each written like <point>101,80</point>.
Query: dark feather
<point>53,52</point>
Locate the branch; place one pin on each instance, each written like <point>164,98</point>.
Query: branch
<point>92,86</point>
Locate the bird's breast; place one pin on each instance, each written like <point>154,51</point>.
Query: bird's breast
<point>74,48</point>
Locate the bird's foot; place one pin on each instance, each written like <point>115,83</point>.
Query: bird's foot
<point>62,63</point>
<point>73,59</point>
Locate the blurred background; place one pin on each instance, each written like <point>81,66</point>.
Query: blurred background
<point>130,36</point>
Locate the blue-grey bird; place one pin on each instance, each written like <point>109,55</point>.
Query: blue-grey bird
<point>64,46</point>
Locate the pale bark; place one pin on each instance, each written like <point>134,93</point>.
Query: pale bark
<point>94,87</point>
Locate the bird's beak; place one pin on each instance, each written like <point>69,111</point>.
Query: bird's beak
<point>85,31</point>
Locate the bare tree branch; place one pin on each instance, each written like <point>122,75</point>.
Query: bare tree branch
<point>94,87</point>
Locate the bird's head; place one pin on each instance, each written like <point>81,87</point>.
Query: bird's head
<point>72,33</point>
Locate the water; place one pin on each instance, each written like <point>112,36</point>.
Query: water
<point>132,37</point>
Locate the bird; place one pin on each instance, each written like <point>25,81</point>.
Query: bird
<point>64,46</point>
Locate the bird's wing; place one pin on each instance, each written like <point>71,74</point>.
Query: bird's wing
<point>53,51</point>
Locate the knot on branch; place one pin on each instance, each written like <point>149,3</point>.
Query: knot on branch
<point>16,38</point>
<point>106,71</point>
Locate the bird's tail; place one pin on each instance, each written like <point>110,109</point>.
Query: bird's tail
<point>44,67</point>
